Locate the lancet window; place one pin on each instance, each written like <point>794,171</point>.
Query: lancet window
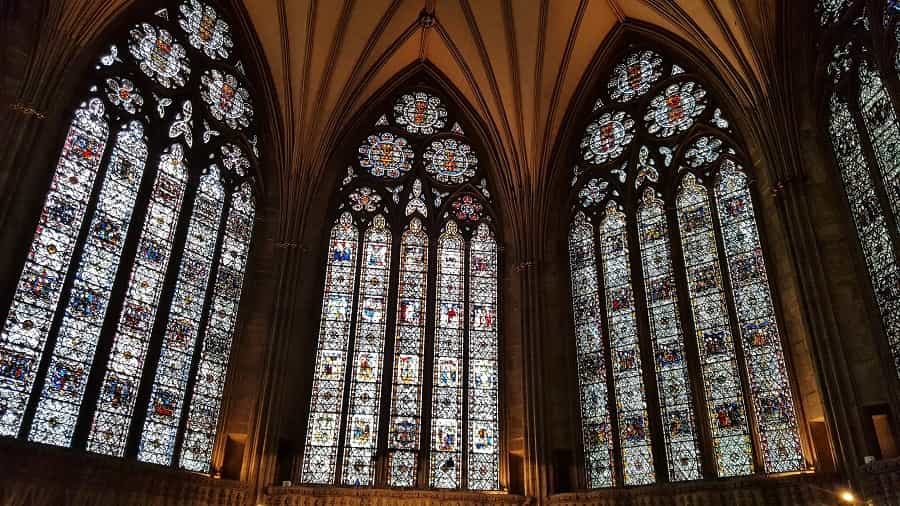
<point>120,330</point>
<point>407,362</point>
<point>680,354</point>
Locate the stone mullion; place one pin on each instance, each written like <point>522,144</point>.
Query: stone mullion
<point>423,456</point>
<point>387,362</point>
<point>650,377</point>
<point>464,414</point>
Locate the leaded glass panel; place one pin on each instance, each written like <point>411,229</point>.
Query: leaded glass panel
<point>483,410</point>
<point>447,388</point>
<point>718,360</point>
<point>366,366</point>
<point>115,407</point>
<point>880,121</point>
<point>673,382</point>
<point>631,400</point>
<point>39,288</point>
<point>320,458</point>
<point>209,380</point>
<point>595,417</point>
<point>157,444</point>
<point>88,299</point>
<point>761,339</point>
<point>404,438</point>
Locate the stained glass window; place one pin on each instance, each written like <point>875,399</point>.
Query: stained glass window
<point>431,342</point>
<point>126,362</point>
<point>40,285</point>
<point>89,297</point>
<point>483,427</point>
<point>212,370</point>
<point>404,440</point>
<point>140,314</point>
<point>182,325</point>
<point>864,133</point>
<point>718,360</point>
<point>450,161</point>
<point>675,399</point>
<point>761,339</point>
<point>634,426</point>
<point>365,374</point>
<point>447,390</point>
<point>386,155</point>
<point>623,168</point>
<point>883,131</point>
<point>320,460</point>
<point>595,416</point>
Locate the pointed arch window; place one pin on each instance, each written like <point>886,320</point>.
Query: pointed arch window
<point>119,333</point>
<point>408,348</point>
<point>664,228</point>
<point>861,61</point>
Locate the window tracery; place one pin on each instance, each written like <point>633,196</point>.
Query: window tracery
<point>652,200</point>
<point>112,291</point>
<point>432,309</point>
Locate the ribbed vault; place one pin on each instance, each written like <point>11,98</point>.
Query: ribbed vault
<point>517,63</point>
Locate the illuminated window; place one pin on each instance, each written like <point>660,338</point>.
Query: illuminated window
<point>416,206</point>
<point>865,140</point>
<point>121,326</point>
<point>655,190</point>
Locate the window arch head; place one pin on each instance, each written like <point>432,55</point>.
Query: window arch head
<point>416,311</point>
<point>121,325</point>
<point>666,262</point>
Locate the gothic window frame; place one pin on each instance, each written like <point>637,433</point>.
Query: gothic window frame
<point>628,197</point>
<point>164,127</point>
<point>865,31</point>
<point>351,177</point>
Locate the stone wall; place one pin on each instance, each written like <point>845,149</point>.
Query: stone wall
<point>32,475</point>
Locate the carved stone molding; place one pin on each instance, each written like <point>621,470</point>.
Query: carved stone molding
<point>753,491</point>
<point>337,496</point>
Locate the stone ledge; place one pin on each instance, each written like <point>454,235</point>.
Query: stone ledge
<point>40,475</point>
<point>881,481</point>
<point>785,490</point>
<point>345,496</point>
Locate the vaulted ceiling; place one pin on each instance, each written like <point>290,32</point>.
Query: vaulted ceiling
<point>517,62</point>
